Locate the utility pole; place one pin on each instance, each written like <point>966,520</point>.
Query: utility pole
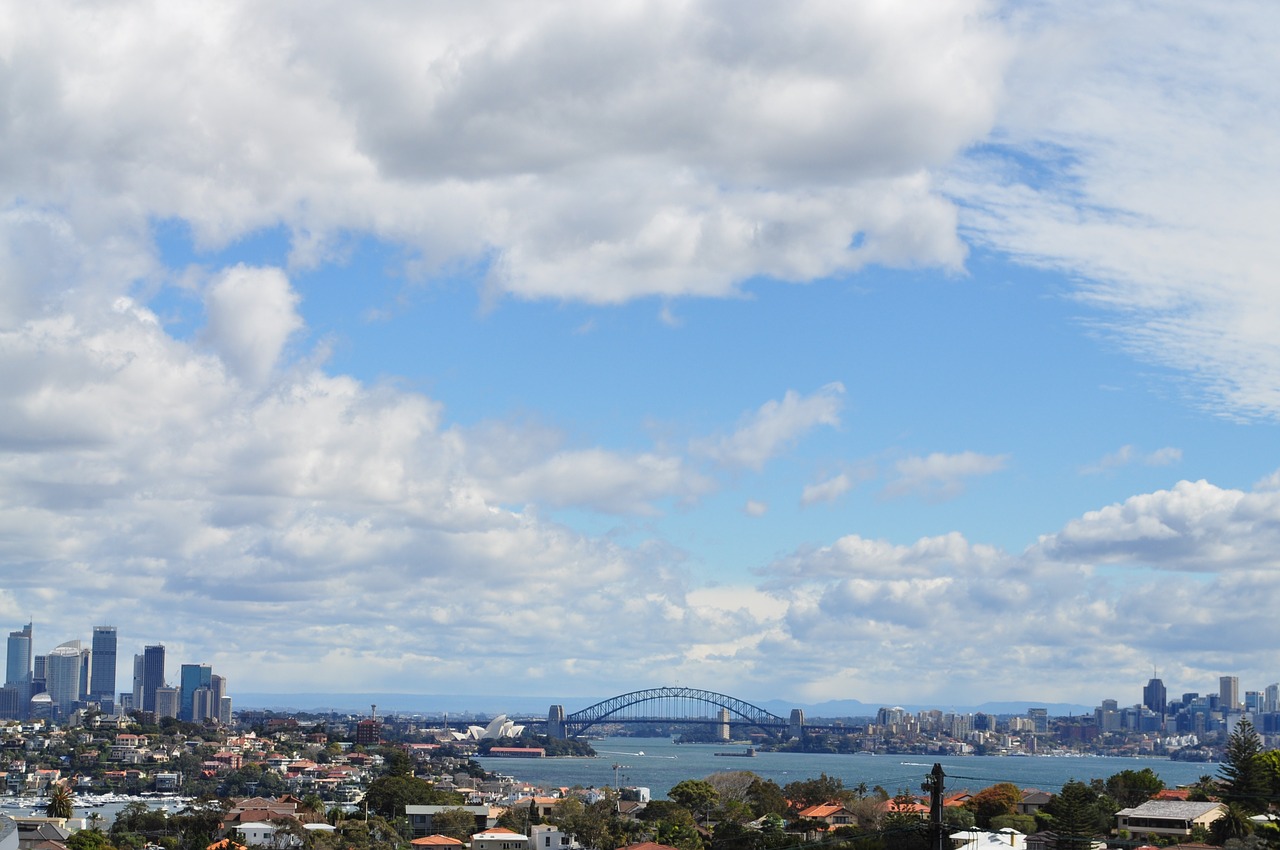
<point>937,837</point>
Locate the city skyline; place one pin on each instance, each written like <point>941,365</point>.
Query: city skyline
<point>193,679</point>
<point>913,353</point>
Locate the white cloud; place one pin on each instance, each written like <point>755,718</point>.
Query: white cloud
<point>1127,455</point>
<point>562,141</point>
<point>827,490</point>
<point>755,508</point>
<point>777,424</point>
<point>1131,154</point>
<point>1194,526</point>
<point>941,476</point>
<point>252,312</point>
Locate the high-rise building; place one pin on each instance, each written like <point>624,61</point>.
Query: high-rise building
<point>152,675</point>
<point>86,669</point>
<point>38,674</point>
<point>102,678</point>
<point>194,677</point>
<point>18,672</point>
<point>1154,696</point>
<point>1229,693</point>
<point>219,689</point>
<point>62,676</point>
<point>139,673</point>
<point>166,702</point>
<point>1271,699</point>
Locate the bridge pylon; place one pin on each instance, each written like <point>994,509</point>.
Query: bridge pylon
<point>555,722</point>
<point>795,727</point>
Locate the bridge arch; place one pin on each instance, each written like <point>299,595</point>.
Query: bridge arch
<point>675,703</point>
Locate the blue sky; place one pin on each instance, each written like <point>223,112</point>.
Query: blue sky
<point>907,356</point>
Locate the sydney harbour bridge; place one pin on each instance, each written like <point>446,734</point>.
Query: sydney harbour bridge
<point>678,705</point>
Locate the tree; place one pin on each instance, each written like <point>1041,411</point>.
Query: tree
<point>1133,787</point>
<point>815,792</point>
<point>1234,825</point>
<point>1074,816</point>
<point>1000,799</point>
<point>766,798</point>
<point>60,802</point>
<point>455,823</point>
<point>696,795</point>
<point>388,795</point>
<point>903,828</point>
<point>88,839</point>
<point>1243,773</point>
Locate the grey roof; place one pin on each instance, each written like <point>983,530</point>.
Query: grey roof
<point>7,827</point>
<point>1182,809</point>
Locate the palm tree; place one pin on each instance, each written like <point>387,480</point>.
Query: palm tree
<point>60,802</point>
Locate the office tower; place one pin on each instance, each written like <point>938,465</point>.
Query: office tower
<point>1039,718</point>
<point>1229,693</point>
<point>1154,696</point>
<point>1253,701</point>
<point>218,686</point>
<point>1271,699</point>
<point>166,701</point>
<point>224,711</point>
<point>194,677</point>
<point>102,678</point>
<point>152,675</point>
<point>62,676</point>
<point>18,671</point>
<point>86,669</point>
<point>18,662</point>
<point>139,668</point>
<point>38,674</point>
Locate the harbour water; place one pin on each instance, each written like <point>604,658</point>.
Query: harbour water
<point>658,764</point>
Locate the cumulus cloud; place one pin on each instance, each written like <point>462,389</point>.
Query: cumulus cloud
<point>252,312</point>
<point>773,427</point>
<point>1194,526</point>
<point>560,144</point>
<point>755,508</point>
<point>940,476</point>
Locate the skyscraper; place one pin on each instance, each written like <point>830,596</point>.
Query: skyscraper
<point>1229,693</point>
<point>1154,696</point>
<point>62,676</point>
<point>194,677</point>
<point>152,674</point>
<point>102,679</point>
<point>18,662</point>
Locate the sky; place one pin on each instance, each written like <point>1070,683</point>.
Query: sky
<point>902,352</point>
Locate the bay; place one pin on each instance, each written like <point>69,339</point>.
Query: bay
<point>658,764</point>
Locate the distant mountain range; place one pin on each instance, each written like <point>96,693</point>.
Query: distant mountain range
<point>465,705</point>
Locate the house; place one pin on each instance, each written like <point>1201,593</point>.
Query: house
<point>977,839</point>
<point>544,807</point>
<point>8,833</point>
<point>267,835</point>
<point>543,836</point>
<point>832,814</point>
<point>420,817</point>
<point>499,838</point>
<point>431,841</point>
<point>1168,817</point>
<point>1032,801</point>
